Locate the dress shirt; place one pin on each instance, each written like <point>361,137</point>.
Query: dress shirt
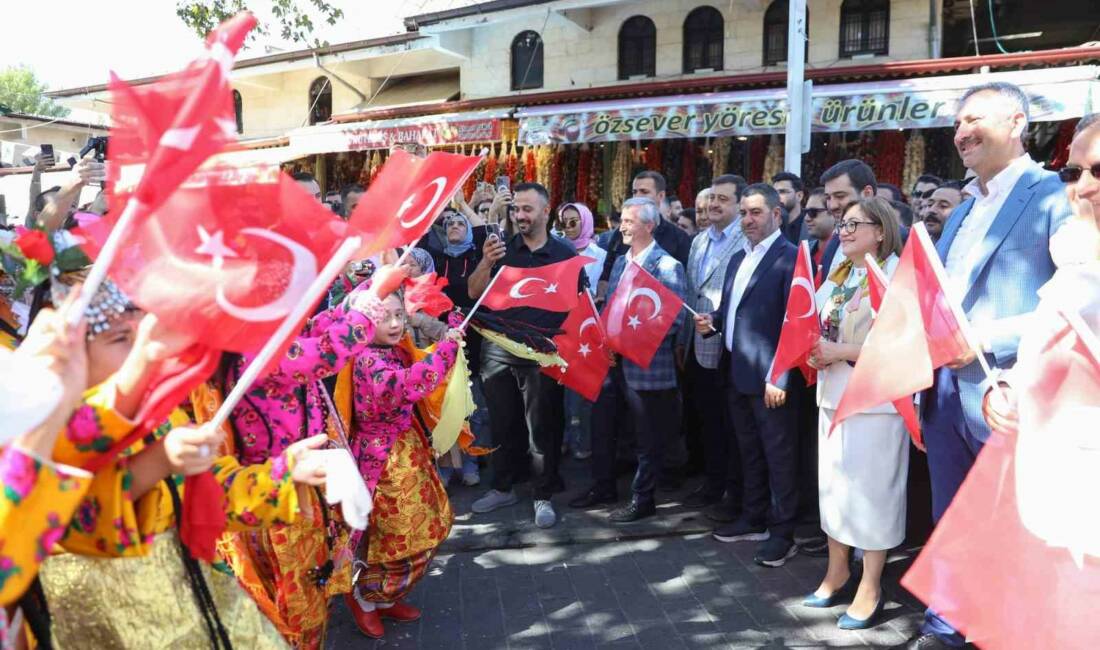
<point>965,248</point>
<point>753,255</point>
<point>640,260</point>
<point>731,235</point>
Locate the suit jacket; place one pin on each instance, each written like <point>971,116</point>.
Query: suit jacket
<point>704,293</point>
<point>759,319</point>
<point>1002,290</point>
<point>661,373</point>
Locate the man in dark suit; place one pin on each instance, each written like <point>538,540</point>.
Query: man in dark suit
<point>749,320</point>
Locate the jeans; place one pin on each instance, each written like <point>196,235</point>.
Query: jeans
<point>578,422</point>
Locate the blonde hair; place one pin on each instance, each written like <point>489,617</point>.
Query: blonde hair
<point>879,210</point>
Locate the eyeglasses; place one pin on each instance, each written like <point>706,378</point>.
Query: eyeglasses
<point>454,222</point>
<point>811,213</point>
<point>851,225</point>
<point>1072,173</point>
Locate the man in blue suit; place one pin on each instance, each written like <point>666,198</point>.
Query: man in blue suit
<point>995,247</point>
<point>648,397</point>
<point>749,320</point>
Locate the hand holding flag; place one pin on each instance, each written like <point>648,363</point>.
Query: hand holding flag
<point>801,324</point>
<point>635,328</point>
<point>552,287</point>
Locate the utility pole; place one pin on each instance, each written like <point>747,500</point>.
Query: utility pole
<point>799,92</point>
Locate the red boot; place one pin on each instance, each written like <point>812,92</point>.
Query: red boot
<point>400,611</point>
<point>369,623</point>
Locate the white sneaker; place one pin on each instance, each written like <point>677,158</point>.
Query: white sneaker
<point>545,517</point>
<point>471,478</point>
<point>492,500</point>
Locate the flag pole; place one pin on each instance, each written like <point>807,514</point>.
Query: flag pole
<point>103,261</point>
<point>477,304</point>
<point>956,309</point>
<point>287,329</point>
<point>599,322</point>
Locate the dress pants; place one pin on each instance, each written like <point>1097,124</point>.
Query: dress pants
<point>654,415</point>
<point>523,400</point>
<point>952,450</point>
<point>706,398</point>
<point>767,441</point>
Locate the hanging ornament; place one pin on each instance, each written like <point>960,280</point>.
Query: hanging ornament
<point>584,165</point>
<point>719,157</point>
<point>489,173</point>
<point>889,162</point>
<point>773,159</point>
<point>914,160</point>
<point>595,177</point>
<point>686,189</point>
<point>511,163</point>
<point>621,166</point>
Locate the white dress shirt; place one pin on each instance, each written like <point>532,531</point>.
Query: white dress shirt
<point>753,255</point>
<point>965,248</point>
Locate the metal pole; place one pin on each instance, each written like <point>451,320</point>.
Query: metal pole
<point>796,69</point>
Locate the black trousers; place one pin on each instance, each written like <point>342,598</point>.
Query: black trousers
<point>804,402</point>
<point>653,415</point>
<point>707,401</point>
<point>767,440</point>
<point>525,413</point>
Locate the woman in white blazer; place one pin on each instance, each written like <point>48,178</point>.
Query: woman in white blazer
<point>863,464</point>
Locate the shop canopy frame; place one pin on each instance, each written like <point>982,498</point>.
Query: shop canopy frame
<point>442,130</point>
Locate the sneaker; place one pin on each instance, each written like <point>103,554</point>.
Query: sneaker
<point>581,454</point>
<point>740,531</point>
<point>493,500</point>
<point>815,548</point>
<point>545,517</point>
<point>471,478</point>
<point>775,552</point>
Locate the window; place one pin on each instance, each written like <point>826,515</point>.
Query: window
<point>320,100</point>
<point>704,34</point>
<point>775,32</point>
<point>637,48</point>
<point>864,27</point>
<point>238,110</point>
<point>526,61</point>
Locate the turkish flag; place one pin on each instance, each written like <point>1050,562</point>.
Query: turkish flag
<point>635,328</point>
<point>551,287</point>
<point>161,132</point>
<point>581,344</point>
<point>915,329</point>
<point>404,199</point>
<point>876,287</point>
<point>801,325</point>
<point>1015,561</point>
<point>426,294</point>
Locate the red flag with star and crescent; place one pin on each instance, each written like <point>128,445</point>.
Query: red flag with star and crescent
<point>581,345</point>
<point>551,287</point>
<point>876,287</point>
<point>404,199</point>
<point>801,327</point>
<point>639,315</point>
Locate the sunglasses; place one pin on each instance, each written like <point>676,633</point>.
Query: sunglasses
<point>571,223</point>
<point>811,213</point>
<point>851,226</point>
<point>454,222</point>
<point>1072,173</point>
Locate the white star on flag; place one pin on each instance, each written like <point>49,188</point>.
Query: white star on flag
<point>584,350</point>
<point>214,246</point>
<point>551,288</point>
<point>633,321</point>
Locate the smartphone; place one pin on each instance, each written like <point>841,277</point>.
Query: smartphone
<point>47,152</point>
<point>503,183</point>
<point>494,230</point>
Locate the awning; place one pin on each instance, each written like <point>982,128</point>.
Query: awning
<point>927,102</point>
<point>419,90</point>
<point>429,130</point>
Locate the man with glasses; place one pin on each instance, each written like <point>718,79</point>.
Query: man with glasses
<point>922,191</point>
<point>996,250</point>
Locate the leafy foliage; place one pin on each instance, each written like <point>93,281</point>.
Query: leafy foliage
<point>22,92</point>
<point>294,17</point>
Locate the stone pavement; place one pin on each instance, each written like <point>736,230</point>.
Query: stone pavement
<point>501,583</point>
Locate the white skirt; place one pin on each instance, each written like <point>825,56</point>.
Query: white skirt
<point>862,472</point>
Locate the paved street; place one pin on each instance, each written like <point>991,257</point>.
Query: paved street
<point>501,583</point>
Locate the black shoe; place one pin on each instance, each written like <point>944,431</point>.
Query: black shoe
<point>700,498</point>
<point>815,548</point>
<point>670,482</point>
<point>740,531</point>
<point>593,497</point>
<point>633,511</point>
<point>723,512</point>
<point>923,642</point>
<point>775,552</point>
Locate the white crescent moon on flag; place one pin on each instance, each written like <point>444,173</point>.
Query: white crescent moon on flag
<point>515,291</point>
<point>589,322</point>
<point>440,184</point>
<point>647,293</point>
<point>303,271</point>
<point>805,284</point>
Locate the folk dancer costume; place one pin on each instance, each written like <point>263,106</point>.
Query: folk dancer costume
<point>386,389</point>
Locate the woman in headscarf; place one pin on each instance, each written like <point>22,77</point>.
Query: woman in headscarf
<point>578,226</point>
<point>424,328</point>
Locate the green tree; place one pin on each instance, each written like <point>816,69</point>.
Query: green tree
<point>22,92</point>
<point>294,18</point>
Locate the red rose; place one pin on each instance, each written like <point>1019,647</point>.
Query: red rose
<point>35,246</point>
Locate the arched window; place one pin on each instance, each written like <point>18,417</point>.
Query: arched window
<point>238,110</point>
<point>704,36</point>
<point>637,48</point>
<point>864,27</point>
<point>526,61</point>
<point>320,100</point>
<point>775,32</point>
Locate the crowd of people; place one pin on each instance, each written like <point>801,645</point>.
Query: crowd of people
<point>92,558</point>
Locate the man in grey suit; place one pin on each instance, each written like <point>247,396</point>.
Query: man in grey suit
<point>711,251</point>
<point>996,249</point>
